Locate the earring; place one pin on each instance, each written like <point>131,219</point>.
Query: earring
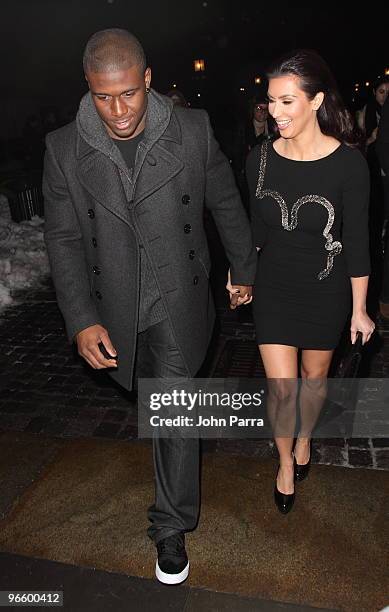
<point>147,89</point>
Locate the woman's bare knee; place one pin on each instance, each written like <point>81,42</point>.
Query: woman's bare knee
<point>282,390</point>
<point>315,364</point>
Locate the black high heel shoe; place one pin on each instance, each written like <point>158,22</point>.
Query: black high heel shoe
<point>284,501</point>
<point>301,471</point>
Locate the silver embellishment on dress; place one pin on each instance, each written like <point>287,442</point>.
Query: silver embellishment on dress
<point>333,247</point>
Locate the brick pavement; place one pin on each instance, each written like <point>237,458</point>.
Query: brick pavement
<point>46,388</point>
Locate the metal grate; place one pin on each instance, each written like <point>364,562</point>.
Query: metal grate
<point>26,203</point>
<point>239,359</point>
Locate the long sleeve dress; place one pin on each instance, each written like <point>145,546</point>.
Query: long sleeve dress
<point>310,219</point>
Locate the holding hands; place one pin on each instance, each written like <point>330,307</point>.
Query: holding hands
<point>239,294</point>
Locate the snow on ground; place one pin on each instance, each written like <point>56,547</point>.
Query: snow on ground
<point>23,256</point>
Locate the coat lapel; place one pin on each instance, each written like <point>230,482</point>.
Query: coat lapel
<point>160,167</point>
<point>101,178</point>
<point>156,165</point>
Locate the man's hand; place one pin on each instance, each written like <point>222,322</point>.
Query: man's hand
<point>239,294</point>
<point>87,343</point>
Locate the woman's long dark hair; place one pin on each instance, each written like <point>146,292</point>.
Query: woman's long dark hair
<point>315,76</point>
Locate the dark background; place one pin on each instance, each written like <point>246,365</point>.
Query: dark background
<point>42,41</point>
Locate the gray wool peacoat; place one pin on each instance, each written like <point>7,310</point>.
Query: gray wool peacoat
<point>97,215</point>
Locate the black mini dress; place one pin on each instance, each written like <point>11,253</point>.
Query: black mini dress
<point>310,220</point>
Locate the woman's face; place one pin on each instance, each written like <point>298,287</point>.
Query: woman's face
<point>290,106</point>
<point>381,93</point>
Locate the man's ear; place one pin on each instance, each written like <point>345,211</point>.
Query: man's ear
<point>148,77</point>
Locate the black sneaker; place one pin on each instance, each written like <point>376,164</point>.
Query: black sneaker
<point>172,566</point>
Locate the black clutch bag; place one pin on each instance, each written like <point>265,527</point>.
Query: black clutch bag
<point>349,365</point>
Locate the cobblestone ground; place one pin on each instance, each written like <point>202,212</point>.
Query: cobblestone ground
<point>46,388</point>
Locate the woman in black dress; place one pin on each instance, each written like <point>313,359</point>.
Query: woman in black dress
<point>309,193</point>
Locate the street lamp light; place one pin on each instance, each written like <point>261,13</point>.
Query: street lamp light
<point>199,65</point>
<point>257,80</point>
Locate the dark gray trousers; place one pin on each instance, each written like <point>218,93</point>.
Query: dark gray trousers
<point>176,459</point>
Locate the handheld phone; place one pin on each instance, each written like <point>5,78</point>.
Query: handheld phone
<point>105,352</point>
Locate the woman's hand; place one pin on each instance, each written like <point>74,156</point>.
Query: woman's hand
<point>373,137</point>
<point>361,322</point>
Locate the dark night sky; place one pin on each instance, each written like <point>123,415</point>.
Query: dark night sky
<point>41,43</point>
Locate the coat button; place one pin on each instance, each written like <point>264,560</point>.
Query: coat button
<point>96,270</point>
<point>94,242</point>
<point>195,280</point>
<point>151,160</point>
<point>187,228</point>
<point>185,199</point>
<point>91,213</point>
<point>98,295</point>
<point>191,254</point>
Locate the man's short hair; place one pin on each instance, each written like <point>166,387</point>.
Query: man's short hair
<point>111,50</point>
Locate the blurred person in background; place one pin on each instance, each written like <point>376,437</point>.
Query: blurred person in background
<point>382,147</point>
<point>368,119</point>
<point>177,97</point>
<point>260,124</point>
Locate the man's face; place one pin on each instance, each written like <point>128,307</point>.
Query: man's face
<point>261,111</point>
<point>120,99</point>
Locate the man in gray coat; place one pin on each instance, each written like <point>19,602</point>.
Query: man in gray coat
<point>125,186</point>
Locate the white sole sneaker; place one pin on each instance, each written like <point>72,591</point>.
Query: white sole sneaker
<point>171,578</point>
